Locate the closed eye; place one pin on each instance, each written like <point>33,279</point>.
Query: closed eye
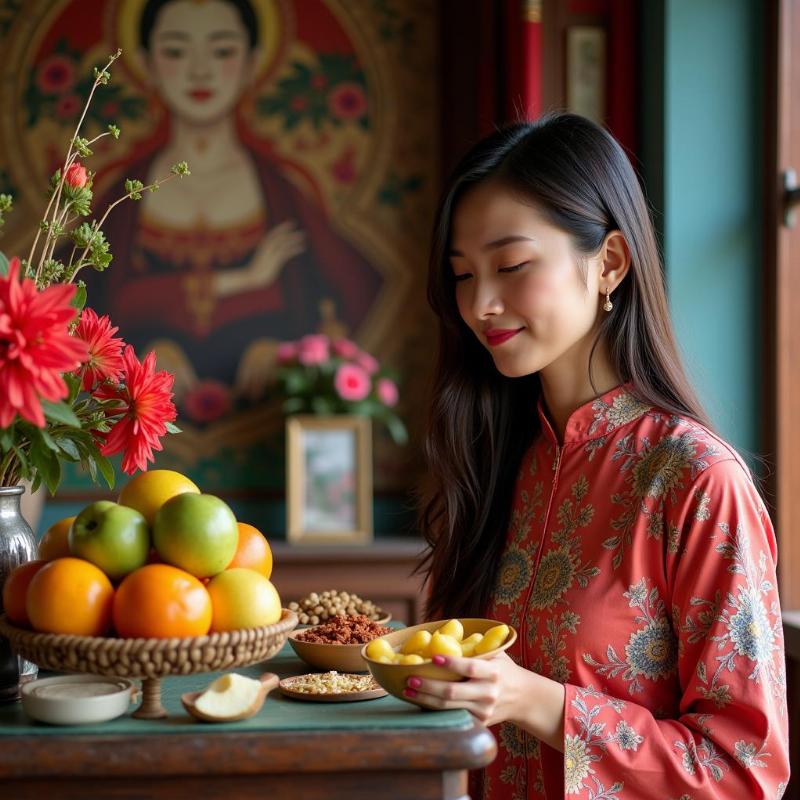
<point>515,268</point>
<point>462,277</point>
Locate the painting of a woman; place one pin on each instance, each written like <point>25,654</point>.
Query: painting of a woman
<point>212,270</point>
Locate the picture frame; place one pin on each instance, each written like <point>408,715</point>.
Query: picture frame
<point>329,479</point>
<point>586,71</point>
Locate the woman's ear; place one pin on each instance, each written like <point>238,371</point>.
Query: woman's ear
<point>615,259</point>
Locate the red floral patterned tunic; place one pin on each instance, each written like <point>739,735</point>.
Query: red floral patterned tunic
<point>639,571</point>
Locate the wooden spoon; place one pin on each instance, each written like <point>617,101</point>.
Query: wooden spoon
<point>269,681</point>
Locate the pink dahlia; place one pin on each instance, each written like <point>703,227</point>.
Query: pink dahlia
<point>344,348</point>
<point>35,345</point>
<point>351,382</point>
<point>145,398</point>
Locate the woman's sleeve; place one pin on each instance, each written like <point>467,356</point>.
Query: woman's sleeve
<point>730,739</point>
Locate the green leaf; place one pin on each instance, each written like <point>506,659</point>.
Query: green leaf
<point>60,412</point>
<point>68,447</point>
<point>321,405</point>
<point>79,300</point>
<point>7,438</point>
<point>172,428</point>
<point>396,429</point>
<point>106,470</point>
<point>3,265</point>
<point>293,405</point>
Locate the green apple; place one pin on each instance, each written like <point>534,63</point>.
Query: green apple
<point>113,537</point>
<point>196,532</point>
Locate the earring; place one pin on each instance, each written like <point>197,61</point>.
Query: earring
<point>608,305</point>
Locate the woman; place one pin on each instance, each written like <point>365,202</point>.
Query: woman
<point>219,267</point>
<point>579,494</point>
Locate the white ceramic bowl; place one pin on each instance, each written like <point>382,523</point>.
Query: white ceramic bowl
<point>77,699</point>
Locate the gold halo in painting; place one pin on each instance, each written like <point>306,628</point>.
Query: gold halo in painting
<point>272,35</point>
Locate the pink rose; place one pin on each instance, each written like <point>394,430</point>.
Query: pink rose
<point>76,175</point>
<point>387,392</point>
<point>352,382</point>
<point>368,363</point>
<point>286,352</point>
<point>313,350</point>
<point>345,348</point>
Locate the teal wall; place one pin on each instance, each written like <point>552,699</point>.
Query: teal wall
<point>702,118</point>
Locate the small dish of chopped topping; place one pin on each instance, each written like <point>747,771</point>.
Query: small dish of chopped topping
<point>331,687</point>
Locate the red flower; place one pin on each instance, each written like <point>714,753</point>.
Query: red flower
<point>57,74</point>
<point>207,401</point>
<point>348,101</point>
<point>35,345</point>
<point>146,398</point>
<point>105,351</point>
<point>76,175</point>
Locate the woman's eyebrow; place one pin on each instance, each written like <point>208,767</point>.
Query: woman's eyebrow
<point>226,35</point>
<point>173,35</point>
<point>496,243</point>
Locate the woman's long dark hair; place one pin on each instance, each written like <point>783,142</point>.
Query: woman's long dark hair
<point>480,422</point>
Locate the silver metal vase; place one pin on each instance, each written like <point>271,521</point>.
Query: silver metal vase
<point>17,545</point>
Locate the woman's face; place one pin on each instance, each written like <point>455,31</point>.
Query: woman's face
<point>199,59</point>
<point>519,288</point>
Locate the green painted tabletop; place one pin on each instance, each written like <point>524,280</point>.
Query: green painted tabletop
<point>278,713</point>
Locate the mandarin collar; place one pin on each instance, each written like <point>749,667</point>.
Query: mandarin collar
<point>596,418</point>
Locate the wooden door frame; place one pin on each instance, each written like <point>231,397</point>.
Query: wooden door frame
<point>780,427</point>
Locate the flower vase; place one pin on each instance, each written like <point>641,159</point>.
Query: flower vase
<point>17,545</point>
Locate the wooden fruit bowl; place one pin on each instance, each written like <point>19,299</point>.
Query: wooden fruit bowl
<point>149,659</point>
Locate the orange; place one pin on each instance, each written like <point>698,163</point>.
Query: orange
<point>54,543</point>
<point>15,589</point>
<point>148,491</point>
<point>242,598</point>
<point>70,595</point>
<point>253,551</point>
<point>161,601</point>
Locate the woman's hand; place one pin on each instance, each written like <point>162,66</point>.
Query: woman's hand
<point>497,690</point>
<point>491,693</point>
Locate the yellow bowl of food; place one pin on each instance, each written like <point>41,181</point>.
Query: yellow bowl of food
<point>396,656</point>
<point>337,644</point>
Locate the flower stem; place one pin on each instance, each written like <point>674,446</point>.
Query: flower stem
<point>57,194</point>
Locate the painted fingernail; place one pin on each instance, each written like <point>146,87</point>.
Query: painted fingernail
<point>439,660</point>
<point>409,693</point>
<point>415,683</point>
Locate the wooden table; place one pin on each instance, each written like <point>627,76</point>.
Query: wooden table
<point>381,748</point>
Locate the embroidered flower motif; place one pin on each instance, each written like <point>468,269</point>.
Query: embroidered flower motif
<point>661,468</point>
<point>577,764</point>
<point>748,755</point>
<point>515,575</point>
<point>626,737</point>
<point>516,743</point>
<point>652,651</point>
<point>624,408</point>
<point>554,577</point>
<point>750,628</point>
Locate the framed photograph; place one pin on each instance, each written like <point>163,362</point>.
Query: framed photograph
<point>586,71</point>
<point>329,479</point>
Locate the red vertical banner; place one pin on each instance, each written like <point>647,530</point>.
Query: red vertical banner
<point>523,71</point>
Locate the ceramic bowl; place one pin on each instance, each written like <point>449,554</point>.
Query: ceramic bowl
<point>325,657</point>
<point>393,677</point>
<point>77,699</point>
